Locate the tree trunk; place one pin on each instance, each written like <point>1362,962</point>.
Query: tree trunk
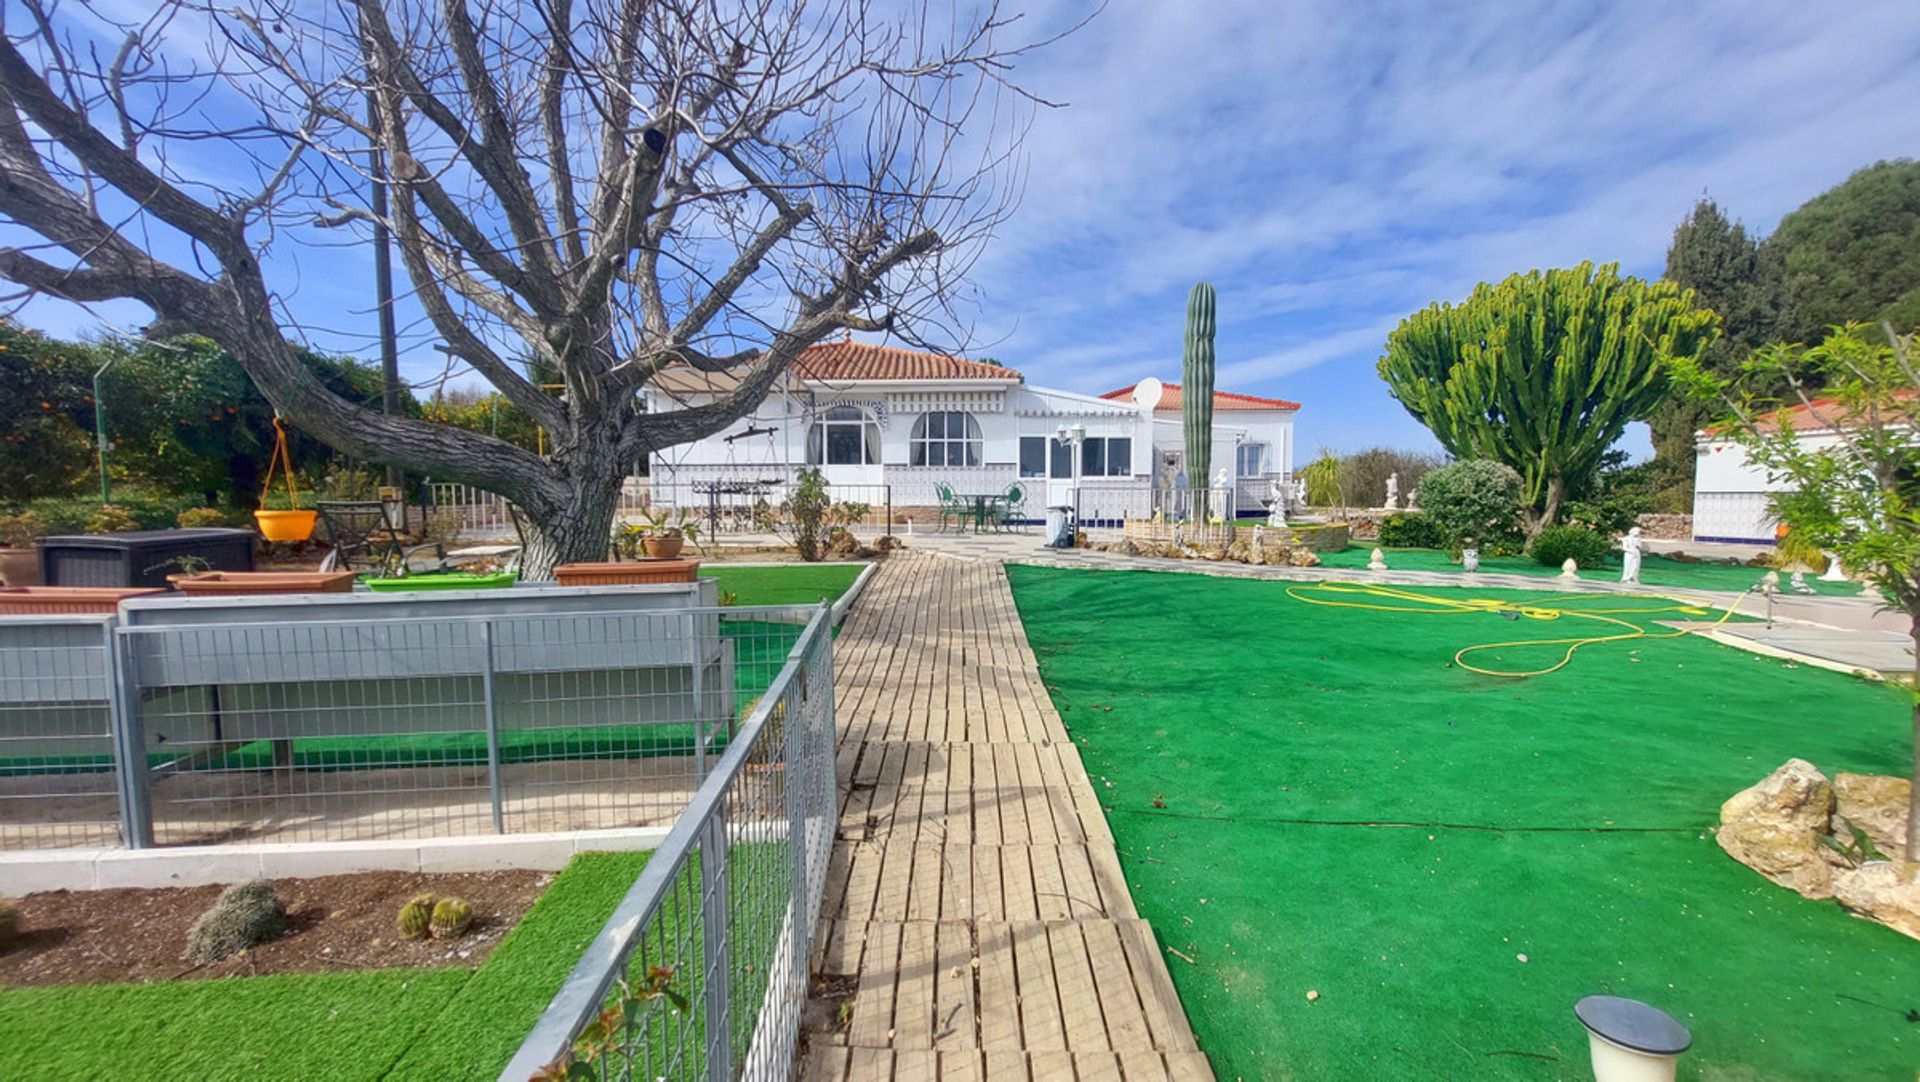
<point>580,527</point>
<point>1549,514</point>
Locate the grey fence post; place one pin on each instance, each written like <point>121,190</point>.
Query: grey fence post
<point>714,927</point>
<point>488,706</point>
<point>129,741</point>
<point>889,510</point>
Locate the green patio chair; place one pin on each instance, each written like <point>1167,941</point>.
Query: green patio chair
<point>1010,507</point>
<point>951,507</point>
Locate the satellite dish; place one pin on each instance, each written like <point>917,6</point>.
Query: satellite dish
<point>1147,392</point>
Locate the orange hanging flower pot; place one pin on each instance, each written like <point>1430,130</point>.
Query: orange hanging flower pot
<point>285,525</point>
<point>292,522</point>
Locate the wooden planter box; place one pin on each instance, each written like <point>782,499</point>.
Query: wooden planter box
<point>45,600</point>
<point>637,572</point>
<point>232,583</point>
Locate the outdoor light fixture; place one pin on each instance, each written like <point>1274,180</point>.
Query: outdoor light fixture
<point>1631,1041</point>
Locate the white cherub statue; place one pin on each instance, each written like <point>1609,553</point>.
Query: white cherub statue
<point>1393,491</point>
<point>1630,548</point>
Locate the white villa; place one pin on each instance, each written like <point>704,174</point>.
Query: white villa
<point>889,426</point>
<point>1730,492</point>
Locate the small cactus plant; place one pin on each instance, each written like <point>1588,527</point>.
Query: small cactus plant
<point>451,916</point>
<point>416,916</point>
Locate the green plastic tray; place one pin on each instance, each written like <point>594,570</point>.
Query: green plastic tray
<point>445,580</point>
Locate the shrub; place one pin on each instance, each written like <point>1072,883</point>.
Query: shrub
<point>1556,544</point>
<point>146,510</point>
<point>245,915</point>
<point>1473,502</point>
<point>451,916</point>
<point>1410,530</point>
<point>416,917</point>
<point>199,517</point>
<point>111,518</point>
<point>22,530</point>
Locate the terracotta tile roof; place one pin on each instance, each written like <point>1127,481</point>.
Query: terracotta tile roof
<point>1222,400</point>
<point>846,361</point>
<point>1820,415</point>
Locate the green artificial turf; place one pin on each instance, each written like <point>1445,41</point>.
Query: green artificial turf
<point>1655,571</point>
<point>413,1024</point>
<point>1346,812</point>
<point>785,584</point>
<point>491,1014</point>
<point>295,1026</point>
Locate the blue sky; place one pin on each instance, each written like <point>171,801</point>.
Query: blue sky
<point>1331,167</point>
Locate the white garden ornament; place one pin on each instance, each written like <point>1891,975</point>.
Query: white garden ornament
<point>1630,549</point>
<point>1470,559</point>
<point>1570,569</point>
<point>1377,562</point>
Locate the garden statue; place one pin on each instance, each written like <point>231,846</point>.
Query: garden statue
<point>1630,549</point>
<point>1413,499</point>
<point>1378,561</point>
<point>1799,584</point>
<point>1278,496</point>
<point>1300,493</point>
<point>1469,559</point>
<point>1834,572</point>
<point>1570,569</point>
<point>1393,491</point>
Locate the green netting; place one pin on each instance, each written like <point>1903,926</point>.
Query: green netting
<point>1346,812</point>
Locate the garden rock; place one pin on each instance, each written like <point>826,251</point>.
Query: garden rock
<point>1775,827</point>
<point>1884,891</point>
<point>1303,558</point>
<point>1877,804</point>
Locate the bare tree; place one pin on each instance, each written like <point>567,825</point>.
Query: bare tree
<point>595,188</point>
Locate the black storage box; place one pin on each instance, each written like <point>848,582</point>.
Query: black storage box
<point>143,557</point>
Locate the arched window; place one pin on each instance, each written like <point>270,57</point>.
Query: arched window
<point>946,438</point>
<point>843,436</point>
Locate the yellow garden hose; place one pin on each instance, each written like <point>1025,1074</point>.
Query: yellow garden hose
<point>1336,594</point>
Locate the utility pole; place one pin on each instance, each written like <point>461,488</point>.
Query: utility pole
<point>383,282</point>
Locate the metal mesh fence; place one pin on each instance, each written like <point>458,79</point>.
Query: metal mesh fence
<point>399,727</point>
<point>58,786</point>
<point>701,970</point>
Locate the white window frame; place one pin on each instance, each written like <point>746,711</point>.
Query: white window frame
<point>934,441</point>
<point>819,438</point>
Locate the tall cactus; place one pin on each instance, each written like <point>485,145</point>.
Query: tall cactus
<point>1196,397</point>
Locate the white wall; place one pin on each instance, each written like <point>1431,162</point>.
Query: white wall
<point>1730,492</point>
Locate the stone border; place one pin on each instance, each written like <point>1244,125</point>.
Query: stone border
<point>32,870</point>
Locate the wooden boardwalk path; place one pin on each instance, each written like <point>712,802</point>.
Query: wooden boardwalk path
<point>976,924</point>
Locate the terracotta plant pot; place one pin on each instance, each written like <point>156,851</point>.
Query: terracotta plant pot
<point>20,567</point>
<point>664,546</point>
<point>50,600</point>
<point>637,572</point>
<point>232,583</point>
<point>285,525</point>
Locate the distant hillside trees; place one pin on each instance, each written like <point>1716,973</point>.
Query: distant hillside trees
<point>1849,254</point>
